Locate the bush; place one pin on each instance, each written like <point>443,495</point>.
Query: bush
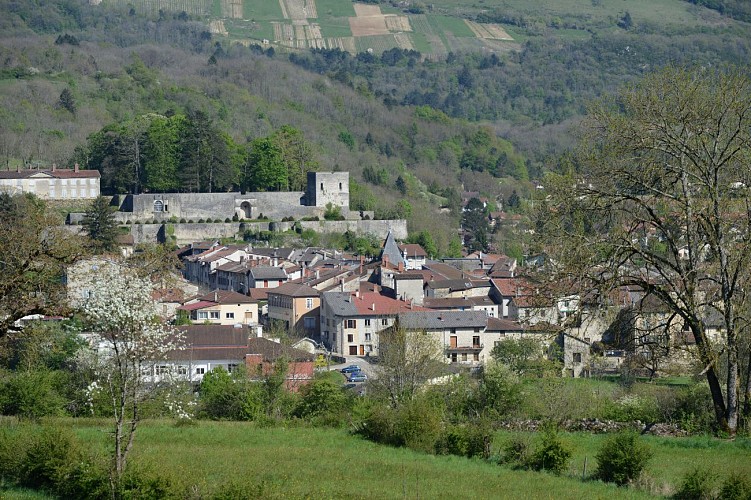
<point>622,458</point>
<point>190,221</point>
<point>551,454</point>
<point>227,220</point>
<point>32,394</point>
<point>201,221</point>
<point>182,221</point>
<point>516,452</point>
<point>235,218</point>
<point>465,441</point>
<point>697,485</point>
<point>736,487</point>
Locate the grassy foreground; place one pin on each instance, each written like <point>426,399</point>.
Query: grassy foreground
<point>326,463</point>
<point>296,462</point>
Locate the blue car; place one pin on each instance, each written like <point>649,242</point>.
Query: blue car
<point>350,369</point>
<point>358,377</point>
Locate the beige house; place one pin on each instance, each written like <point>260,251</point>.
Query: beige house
<point>222,307</point>
<point>54,184</point>
<point>297,305</point>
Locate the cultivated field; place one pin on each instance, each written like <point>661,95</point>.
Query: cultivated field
<point>303,24</point>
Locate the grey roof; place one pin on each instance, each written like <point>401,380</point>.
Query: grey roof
<point>440,320</point>
<point>281,253</point>
<point>340,303</point>
<point>451,284</point>
<point>391,251</point>
<point>504,325</point>
<point>268,273</point>
<point>294,290</point>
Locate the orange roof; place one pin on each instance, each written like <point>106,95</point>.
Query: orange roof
<point>375,303</point>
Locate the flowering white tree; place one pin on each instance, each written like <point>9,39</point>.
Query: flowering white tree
<point>121,313</point>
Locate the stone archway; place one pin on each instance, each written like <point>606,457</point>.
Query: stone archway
<point>247,209</point>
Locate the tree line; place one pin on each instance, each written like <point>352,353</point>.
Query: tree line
<point>189,153</point>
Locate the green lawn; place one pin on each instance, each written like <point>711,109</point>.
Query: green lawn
<point>453,25</point>
<point>335,27</point>
<point>334,8</point>
<point>262,10</point>
<point>421,43</point>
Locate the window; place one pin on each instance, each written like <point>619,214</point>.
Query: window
<point>453,357</point>
<point>385,322</point>
<point>309,303</point>
<point>158,206</point>
<point>476,356</point>
<point>453,330</point>
<point>231,367</point>
<point>182,370</point>
<point>229,316</point>
<point>477,330</point>
<point>367,322</point>
<point>200,371</point>
<point>214,314</point>
<point>350,338</point>
<point>162,369</point>
<point>367,337</point>
<point>340,186</point>
<point>203,315</point>
<point>476,341</point>
<point>309,323</point>
<point>368,348</point>
<point>351,323</point>
<point>464,356</point>
<point>577,357</point>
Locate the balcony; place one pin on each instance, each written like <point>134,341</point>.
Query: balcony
<point>468,348</point>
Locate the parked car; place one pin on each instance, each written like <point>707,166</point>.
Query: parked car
<point>350,369</point>
<point>358,377</point>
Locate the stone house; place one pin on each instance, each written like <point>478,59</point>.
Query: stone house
<point>350,321</point>
<point>53,184</point>
<point>222,307</point>
<point>297,306</point>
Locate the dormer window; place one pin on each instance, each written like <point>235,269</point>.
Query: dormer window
<point>158,206</point>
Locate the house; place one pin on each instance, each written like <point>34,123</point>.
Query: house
<point>350,322</point>
<point>484,303</point>
<point>460,333</point>
<point>53,184</point>
<point>206,347</point>
<point>414,256</point>
<point>266,277</point>
<point>297,306</point>
<point>222,307</point>
<point>202,268</point>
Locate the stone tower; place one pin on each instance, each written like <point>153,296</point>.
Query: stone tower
<point>328,187</point>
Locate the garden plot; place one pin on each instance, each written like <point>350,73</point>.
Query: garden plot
<point>488,31</point>
<point>218,28</point>
<point>298,9</point>
<point>397,23</point>
<point>232,9</point>
<point>404,41</point>
<point>346,43</point>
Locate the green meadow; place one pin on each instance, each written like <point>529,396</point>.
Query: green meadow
<point>207,458</point>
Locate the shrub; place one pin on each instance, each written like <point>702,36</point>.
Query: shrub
<point>190,221</point>
<point>697,485</point>
<point>622,458</point>
<point>227,220</point>
<point>736,487</point>
<point>182,221</point>
<point>128,221</point>
<point>201,221</point>
<point>551,454</point>
<point>516,452</point>
<point>465,441</point>
<point>235,218</point>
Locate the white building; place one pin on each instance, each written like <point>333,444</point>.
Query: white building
<point>54,184</point>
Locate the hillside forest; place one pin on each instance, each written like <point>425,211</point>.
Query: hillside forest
<point>157,102</point>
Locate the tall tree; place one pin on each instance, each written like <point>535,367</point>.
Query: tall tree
<point>476,225</point>
<point>101,226</point>
<point>266,169</point>
<point>297,155</point>
<point>33,262</point>
<point>662,204</point>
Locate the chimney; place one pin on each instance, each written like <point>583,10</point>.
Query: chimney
<point>386,260</point>
<point>75,167</point>
<point>341,284</point>
<point>54,167</point>
<point>373,306</point>
<point>401,267</point>
<point>216,296</point>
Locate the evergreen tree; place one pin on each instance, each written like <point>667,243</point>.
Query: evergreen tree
<point>476,226</point>
<point>99,223</point>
